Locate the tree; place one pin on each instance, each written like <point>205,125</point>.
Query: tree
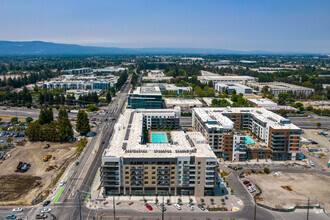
<point>14,120</point>
<point>33,131</point>
<point>318,124</point>
<point>29,119</point>
<point>93,108</point>
<point>65,128</point>
<point>267,170</point>
<point>9,139</point>
<point>108,97</point>
<point>82,126</point>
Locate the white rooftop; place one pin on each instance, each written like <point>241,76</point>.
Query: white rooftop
<point>128,133</point>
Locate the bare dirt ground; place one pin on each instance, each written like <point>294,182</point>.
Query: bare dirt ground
<point>21,188</point>
<point>290,189</point>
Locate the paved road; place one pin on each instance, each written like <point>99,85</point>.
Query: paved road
<point>311,121</point>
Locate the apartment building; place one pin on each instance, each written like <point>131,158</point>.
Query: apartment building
<point>267,135</point>
<point>182,165</point>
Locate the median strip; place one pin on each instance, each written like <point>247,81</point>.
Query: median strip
<point>58,195</point>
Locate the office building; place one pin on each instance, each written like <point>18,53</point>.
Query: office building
<point>142,162</point>
<point>179,90</point>
<point>272,136</point>
<point>78,71</point>
<point>230,87</point>
<point>262,102</point>
<point>206,77</point>
<point>145,97</point>
<point>279,87</point>
<point>183,103</point>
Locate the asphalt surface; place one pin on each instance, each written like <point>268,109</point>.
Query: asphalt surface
<point>311,120</point>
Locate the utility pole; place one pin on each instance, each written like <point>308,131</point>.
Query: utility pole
<point>78,192</point>
<point>114,207</point>
<point>163,209</point>
<point>308,208</point>
<point>255,208</point>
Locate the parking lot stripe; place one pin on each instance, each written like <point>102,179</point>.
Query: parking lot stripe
<point>58,195</point>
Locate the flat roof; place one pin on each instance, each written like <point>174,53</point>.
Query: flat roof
<point>147,90</point>
<point>179,101</point>
<point>262,101</point>
<point>127,135</point>
<point>214,117</point>
<point>279,85</point>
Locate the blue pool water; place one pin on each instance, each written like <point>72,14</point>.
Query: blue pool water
<point>248,140</point>
<point>159,138</point>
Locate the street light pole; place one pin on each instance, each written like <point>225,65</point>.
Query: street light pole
<point>114,207</point>
<point>308,208</point>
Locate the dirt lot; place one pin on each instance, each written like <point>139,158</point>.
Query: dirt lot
<point>289,189</point>
<point>21,188</point>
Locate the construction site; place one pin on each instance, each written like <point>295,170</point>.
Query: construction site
<point>286,190</point>
<point>29,170</point>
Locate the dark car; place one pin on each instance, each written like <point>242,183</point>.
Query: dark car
<point>201,207</point>
<point>246,182</point>
<point>41,216</point>
<point>76,163</point>
<point>11,217</point>
<point>46,203</point>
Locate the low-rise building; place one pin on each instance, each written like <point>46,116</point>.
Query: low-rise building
<point>149,97</point>
<point>172,163</point>
<point>170,87</point>
<point>110,69</point>
<point>270,132</point>
<point>279,87</point>
<point>183,103</point>
<point>78,71</point>
<point>262,102</point>
<point>229,88</point>
<point>206,77</point>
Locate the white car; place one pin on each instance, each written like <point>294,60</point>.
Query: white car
<point>251,189</point>
<point>46,210</point>
<point>177,206</point>
<point>311,163</point>
<point>62,183</point>
<point>17,210</point>
<point>190,207</point>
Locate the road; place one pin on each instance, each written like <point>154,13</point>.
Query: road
<point>311,120</point>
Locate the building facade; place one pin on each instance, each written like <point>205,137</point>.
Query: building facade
<point>145,97</point>
<point>184,165</point>
<point>273,136</point>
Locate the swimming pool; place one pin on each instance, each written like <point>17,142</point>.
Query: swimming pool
<point>248,140</point>
<point>159,138</point>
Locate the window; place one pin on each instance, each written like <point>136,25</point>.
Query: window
<point>199,182</point>
<point>146,168</point>
<point>198,172</point>
<point>153,177</point>
<point>172,168</point>
<point>172,177</point>
<point>179,162</point>
<point>145,177</point>
<point>126,168</point>
<point>126,177</point>
<point>172,182</point>
<point>199,168</point>
<point>153,172</point>
<point>199,177</point>
<point>146,182</point>
<point>172,172</point>
<point>146,172</point>
<point>153,168</point>
<point>199,163</point>
<point>126,172</point>
<point>126,182</point>
<point>153,182</point>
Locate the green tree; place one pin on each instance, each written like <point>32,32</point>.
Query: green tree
<point>33,131</point>
<point>65,128</point>
<point>82,126</point>
<point>14,120</point>
<point>108,97</point>
<point>318,124</point>
<point>93,108</point>
<point>9,140</point>
<point>29,119</point>
<point>267,170</point>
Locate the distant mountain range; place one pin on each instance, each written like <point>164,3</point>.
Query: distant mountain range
<point>17,48</point>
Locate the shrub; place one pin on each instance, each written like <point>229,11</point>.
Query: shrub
<point>267,170</point>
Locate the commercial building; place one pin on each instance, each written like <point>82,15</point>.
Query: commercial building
<point>230,87</point>
<point>172,163</point>
<point>280,87</point>
<point>215,78</point>
<point>78,71</point>
<point>110,69</point>
<point>272,136</point>
<point>145,97</point>
<point>183,103</point>
<point>156,76</point>
<point>262,102</point>
<point>170,87</point>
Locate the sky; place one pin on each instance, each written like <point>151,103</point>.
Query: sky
<point>246,25</point>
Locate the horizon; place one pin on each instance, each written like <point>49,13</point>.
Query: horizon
<point>275,26</point>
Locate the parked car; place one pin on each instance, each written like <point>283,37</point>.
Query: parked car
<point>161,206</point>
<point>41,216</point>
<point>62,183</point>
<point>46,210</point>
<point>149,207</point>
<point>249,184</point>
<point>201,207</point>
<point>251,189</point>
<point>311,163</point>
<point>246,182</point>
<point>46,203</point>
<point>17,210</point>
<point>11,217</point>
<point>76,163</point>
<point>190,207</point>
<point>177,206</point>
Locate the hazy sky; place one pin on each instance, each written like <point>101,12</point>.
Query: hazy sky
<point>272,25</point>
